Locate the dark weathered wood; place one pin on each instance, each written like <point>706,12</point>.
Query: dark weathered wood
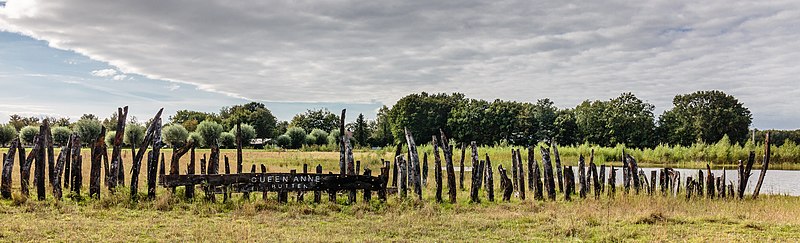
<point>301,195</point>
<point>414,160</point>
<point>367,192</point>
<point>595,179</point>
<point>612,180</point>
<point>283,195</point>
<point>724,183</point>
<point>41,163</point>
<point>626,176</point>
<point>403,187</point>
<point>764,167</point>
<point>437,165</point>
<point>549,182</point>
<point>398,150</point>
<point>213,169</point>
<point>569,180</point>
<point>116,152</point>
<point>61,162</point>
<point>644,183</point>
<point>189,190</point>
<point>227,165</point>
<point>239,148</point>
<point>634,169</point>
<point>98,148</point>
<point>351,170</point>
<point>505,184</point>
<point>538,187</point>
<point>25,169</point>
<point>476,176</point>
<point>157,145</point>
<point>76,176</point>
<point>461,170</point>
<point>744,173</point>
<point>489,179</point>
<point>67,177</point>
<point>689,187</point>
<point>425,169</point>
<point>48,135</point>
<point>358,166</point>
<point>559,173</point>
<point>264,192</point>
<point>582,176</point>
<point>384,177</point>
<point>521,173</point>
<point>710,189</point>
<point>152,136</point>
<point>106,169</point>
<point>451,174</point>
<point>318,193</point>
<point>342,147</point>
<point>602,178</point>
<point>8,167</point>
<point>514,173</point>
<point>653,175</point>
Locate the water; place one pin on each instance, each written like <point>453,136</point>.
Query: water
<point>783,182</point>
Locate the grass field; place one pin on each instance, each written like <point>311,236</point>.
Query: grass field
<point>171,218</point>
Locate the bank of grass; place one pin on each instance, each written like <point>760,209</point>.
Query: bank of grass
<point>171,218</point>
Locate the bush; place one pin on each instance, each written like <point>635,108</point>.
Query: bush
<point>283,141</point>
<point>227,140</point>
<point>210,131</point>
<point>297,136</point>
<point>27,133</point>
<point>174,135</point>
<point>320,137</point>
<point>333,137</point>
<point>196,138</point>
<point>7,134</point>
<point>61,135</point>
<point>88,129</point>
<point>248,132</point>
<point>110,135</point>
<point>311,140</point>
<point>134,134</point>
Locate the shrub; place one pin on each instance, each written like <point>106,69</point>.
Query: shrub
<point>311,140</point>
<point>174,135</point>
<point>283,141</point>
<point>61,135</point>
<point>134,134</point>
<point>320,137</point>
<point>333,137</point>
<point>196,138</point>
<point>88,129</point>
<point>210,131</point>
<point>227,140</point>
<point>297,136</point>
<point>7,134</point>
<point>248,132</point>
<point>27,133</point>
<point>110,135</point>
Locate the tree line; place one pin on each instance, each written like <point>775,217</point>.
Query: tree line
<point>702,116</point>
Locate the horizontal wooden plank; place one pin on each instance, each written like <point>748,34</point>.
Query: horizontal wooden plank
<point>251,182</point>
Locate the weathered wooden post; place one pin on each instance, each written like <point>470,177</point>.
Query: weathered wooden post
<point>239,150</point>
<point>301,194</point>
<point>331,193</point>
<point>461,173</point>
<point>63,158</point>
<point>351,169</point>
<point>744,173</point>
<point>358,166</point>
<point>76,176</point>
<point>395,178</point>
<point>644,183</point>
<point>548,173</point>
<point>634,170</point>
<point>318,194</point>
<point>414,160</point>
<point>473,192</point>
<point>157,145</point>
<point>764,167</point>
<point>626,177</point>
<point>558,167</point>
<point>98,148</point>
<point>189,190</point>
<point>401,163</point>
<point>569,179</point>
<point>612,180</point>
<point>342,147</point>
<point>67,167</point>
<point>8,167</point>
<point>203,165</point>
<point>653,175</point>
<point>437,165</point>
<point>264,192</point>
<point>489,179</point>
<point>602,178</point>
<point>700,179</point>
<point>662,182</point>
<point>505,184</point>
<point>385,177</point>
<point>48,145</point>
<point>451,174</point>
<point>724,183</point>
<point>595,179</point>
<point>367,192</point>
<point>25,168</point>
<point>710,189</point>
<point>514,165</point>
<point>689,187</point>
<point>425,169</point>
<point>582,176</point>
<point>538,188</point>
<point>521,175</point>
<point>153,135</point>
<point>41,163</point>
<point>116,152</point>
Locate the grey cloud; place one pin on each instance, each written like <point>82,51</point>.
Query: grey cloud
<point>351,51</point>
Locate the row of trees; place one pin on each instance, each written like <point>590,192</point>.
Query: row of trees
<point>703,116</point>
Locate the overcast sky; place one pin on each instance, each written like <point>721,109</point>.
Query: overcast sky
<point>66,58</point>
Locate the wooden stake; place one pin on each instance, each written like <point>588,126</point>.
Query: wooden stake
<point>489,179</point>
<point>98,148</point>
<point>764,167</point>
<point>8,167</point>
<point>451,175</point>
<point>437,165</point>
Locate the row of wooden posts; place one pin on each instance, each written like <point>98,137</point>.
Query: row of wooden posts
<point>545,178</point>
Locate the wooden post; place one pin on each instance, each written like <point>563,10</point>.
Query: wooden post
<point>403,187</point>
<point>538,188</point>
<point>602,178</point>
<point>203,165</point>
<point>451,174</point>
<point>367,192</point>
<point>645,184</point>
<point>8,167</point>
<point>318,194</point>
<point>724,183</point>
<point>351,199</point>
<point>98,148</point>
<point>152,136</point>
<point>25,168</point>
<point>67,176</point>
<point>414,160</point>
<point>634,170</point>
<point>239,151</point>
<point>476,176</point>
<point>689,187</point>
<point>301,194</point>
<point>331,194</point>
<point>461,172</point>
<point>358,166</point>
<point>425,169</point>
<point>764,167</point>
<point>626,178</point>
<point>395,178</point>
<point>595,179</point>
<point>157,144</point>
<point>505,184</point>
<point>521,175</point>
<point>116,152</point>
<point>548,173</point>
<point>41,163</point>
<point>569,180</point>
<point>612,180</point>
<point>385,177</point>
<point>744,173</point>
<point>76,176</point>
<point>189,190</point>
<point>437,171</point>
<point>264,193</point>
<point>700,179</point>
<point>582,177</point>
<point>558,168</point>
<point>48,135</point>
<point>653,175</point>
<point>63,157</point>
<point>514,173</point>
<point>342,147</point>
<point>710,189</point>
<point>489,179</point>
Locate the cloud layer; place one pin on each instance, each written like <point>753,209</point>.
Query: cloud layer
<point>351,51</point>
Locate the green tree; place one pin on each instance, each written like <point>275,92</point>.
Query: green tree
<point>422,114</point>
<point>361,130</point>
<point>174,135</point>
<point>110,135</point>
<point>210,131</point>
<point>284,141</point>
<point>195,137</point>
<point>281,128</point>
<point>248,133</point>
<point>227,140</point>
<point>88,127</point>
<point>320,119</point>
<point>297,136</point>
<point>28,133</point>
<point>19,122</point>
<point>7,134</point>
<point>111,122</point>
<point>134,134</point>
<point>253,113</point>
<point>705,116</point>
<point>61,135</point>
<point>622,120</point>
<point>320,136</point>
<point>190,119</point>
<point>566,128</point>
<point>382,132</point>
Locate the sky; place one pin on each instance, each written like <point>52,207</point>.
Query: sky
<point>66,58</point>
